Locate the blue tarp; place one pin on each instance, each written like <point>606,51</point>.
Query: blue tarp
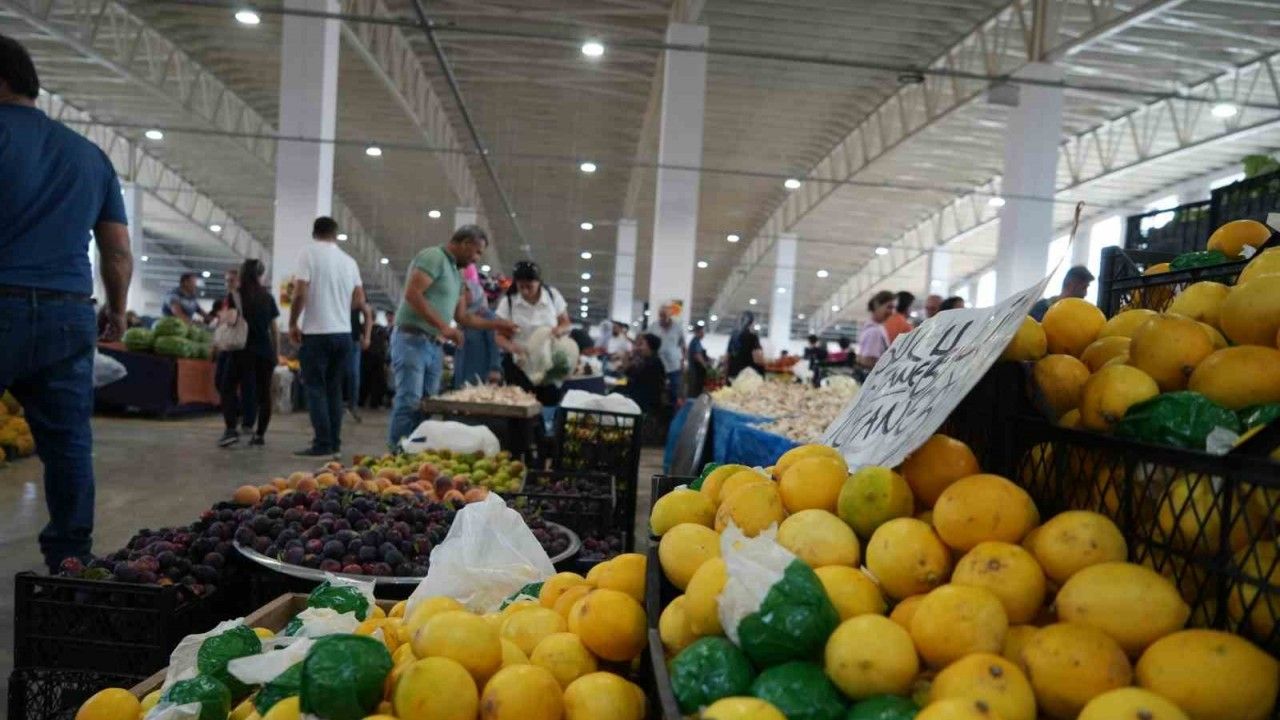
<point>734,438</point>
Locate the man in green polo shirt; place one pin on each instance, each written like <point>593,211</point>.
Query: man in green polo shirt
<point>432,297</point>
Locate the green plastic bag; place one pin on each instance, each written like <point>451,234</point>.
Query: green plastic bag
<point>706,470</point>
<point>343,598</point>
<point>1256,415</point>
<point>883,707</point>
<point>215,652</point>
<point>529,592</point>
<point>1198,259</point>
<point>213,696</point>
<point>342,677</point>
<point>286,684</point>
<point>801,690</point>
<point>709,669</point>
<point>1181,419</point>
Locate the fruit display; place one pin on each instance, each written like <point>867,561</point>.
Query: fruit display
<point>438,471</point>
<point>797,411</point>
<point>561,649</point>
<point>491,395</point>
<point>170,336</point>
<point>930,590</point>
<point>15,434</point>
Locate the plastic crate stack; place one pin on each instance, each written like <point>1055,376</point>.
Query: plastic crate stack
<point>603,442</point>
<point>584,502</point>
<point>1184,228</point>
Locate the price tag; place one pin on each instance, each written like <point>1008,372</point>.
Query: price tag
<point>923,377</point>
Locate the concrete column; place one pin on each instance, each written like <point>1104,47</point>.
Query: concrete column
<point>464,216</point>
<point>308,108</point>
<point>784,287</point>
<point>622,304</point>
<point>675,210</point>
<point>133,211</point>
<point>938,276</point>
<point>1030,167</point>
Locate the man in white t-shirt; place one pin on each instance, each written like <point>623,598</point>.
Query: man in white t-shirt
<point>672,351</point>
<point>326,289</point>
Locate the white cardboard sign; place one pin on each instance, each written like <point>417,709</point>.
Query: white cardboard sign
<point>923,377</point>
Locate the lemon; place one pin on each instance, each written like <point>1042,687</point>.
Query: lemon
<point>1071,324</point>
<point>684,548</point>
<point>1104,350</point>
<point>991,679</point>
<point>625,573</point>
<point>397,610</point>
<point>1132,604</point>
<point>714,479</point>
<point>1110,392</point>
<point>427,609</point>
<point>956,620</point>
<point>1061,380</point>
<point>555,586</point>
<point>1009,572</point>
<point>1074,540</point>
<point>940,461</point>
<point>737,481</point>
<point>1232,237</point>
<point>512,654</point>
<point>1200,301</point>
<point>813,483</point>
<point>1238,377</point>
<point>569,597</point>
<point>1015,640</point>
<point>681,506</point>
<point>241,712</point>
<point>110,704</point>
<point>1070,664</point>
<point>522,692</point>
<point>741,708</point>
<point>701,604</point>
<point>1264,263</point>
<point>603,696</point>
<point>870,655</point>
<point>526,629</point>
<point>1028,343</point>
<point>1124,323</point>
<point>612,625</point>
<point>1169,348</point>
<point>958,709</point>
<point>908,558</point>
<point>851,591</point>
<point>464,638</point>
<point>1211,675</point>
<point>983,507</point>
<point>263,633</point>
<point>753,507</point>
<point>674,629</point>
<point>1251,311</point>
<point>905,611</point>
<point>819,538</point>
<point>564,655</point>
<point>1131,704</point>
<point>150,700</point>
<point>797,453</point>
<point>873,496</point>
<point>290,708</point>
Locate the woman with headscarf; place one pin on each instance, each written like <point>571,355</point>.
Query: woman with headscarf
<point>478,359</point>
<point>532,305</point>
<point>745,350</point>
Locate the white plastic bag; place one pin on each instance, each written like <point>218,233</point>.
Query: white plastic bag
<point>754,566</point>
<point>168,711</point>
<point>449,435</point>
<point>182,661</point>
<point>615,403</point>
<point>488,554</point>
<point>262,669</point>
<point>282,389</point>
<point>107,369</point>
<point>318,622</point>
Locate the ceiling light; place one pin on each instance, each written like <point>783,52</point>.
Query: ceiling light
<point>587,167</point>
<point>582,314</point>
<point>647,313</point>
<point>702,323</point>
<point>732,238</point>
<point>996,201</point>
<point>586,225</point>
<point>342,237</point>
<point>702,264</point>
<point>385,261</point>
<point>800,316</point>
<point>791,184</point>
<point>248,17</point>
<point>715,318</point>
<point>582,308</point>
<point>146,258</point>
<point>752,301</point>
<point>586,276</point>
<point>688,328</point>
<point>782,290</point>
<point>584,300</point>
<point>592,48</point>
<point>215,228</point>
<point>585,255</point>
<point>433,214</point>
<point>585,289</point>
<point>1225,110</point>
<point>485,268</point>
<point>835,308</point>
<point>823,273</point>
<point>882,250</point>
<point>756,327</point>
<point>206,274</point>
<point>154,135</point>
<point>373,151</point>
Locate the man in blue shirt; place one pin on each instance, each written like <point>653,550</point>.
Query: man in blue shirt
<point>182,302</point>
<point>57,187</point>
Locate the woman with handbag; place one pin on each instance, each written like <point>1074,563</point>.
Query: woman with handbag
<point>247,333</point>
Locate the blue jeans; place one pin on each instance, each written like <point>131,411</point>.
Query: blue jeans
<point>324,360</point>
<point>673,388</point>
<point>352,387</point>
<point>417,363</point>
<point>46,361</point>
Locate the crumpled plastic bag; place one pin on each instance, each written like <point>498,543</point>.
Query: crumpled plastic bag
<point>488,554</point>
<point>169,711</point>
<point>322,621</point>
<point>185,657</point>
<point>536,360</point>
<point>613,403</point>
<point>286,683</point>
<point>449,435</point>
<point>263,668</point>
<point>199,697</point>
<point>107,369</point>
<point>1181,419</point>
<point>218,650</point>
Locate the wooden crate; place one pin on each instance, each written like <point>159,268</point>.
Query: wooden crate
<point>435,405</point>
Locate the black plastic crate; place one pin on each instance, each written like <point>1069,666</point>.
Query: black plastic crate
<point>56,694</point>
<point>1122,286</point>
<point>1186,231</point>
<point>1250,199</point>
<point>597,441</point>
<point>103,626</point>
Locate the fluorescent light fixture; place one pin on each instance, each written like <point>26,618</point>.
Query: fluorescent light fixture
<point>756,327</point>
<point>485,268</point>
<point>585,254</point>
<point>342,237</point>
<point>373,151</point>
<point>146,258</point>
<point>823,273</point>
<point>996,201</point>
<point>385,261</point>
<point>835,308</point>
<point>215,228</point>
<point>247,17</point>
<point>433,214</point>
<point>584,300</point>
<point>791,184</point>
<point>714,318</point>
<point>586,276</point>
<point>1225,110</point>
<point>206,274</point>
<point>586,225</point>
<point>782,290</point>
<point>154,135</point>
<point>585,289</point>
<point>582,308</point>
<point>582,314</point>
<point>882,250</point>
<point>587,167</point>
<point>702,264</point>
<point>752,301</point>
<point>800,316</point>
<point>593,48</point>
<point>702,323</point>
<point>732,237</point>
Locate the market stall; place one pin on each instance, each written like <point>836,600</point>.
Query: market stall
<point>158,385</point>
<point>511,413</point>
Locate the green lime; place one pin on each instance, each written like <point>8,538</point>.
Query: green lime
<point>883,707</point>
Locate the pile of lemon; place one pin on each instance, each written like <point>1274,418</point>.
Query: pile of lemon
<point>952,592</point>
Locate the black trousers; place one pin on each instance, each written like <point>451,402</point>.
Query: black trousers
<point>247,374</point>
<point>373,380</point>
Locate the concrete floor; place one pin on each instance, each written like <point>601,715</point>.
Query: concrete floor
<point>152,473</point>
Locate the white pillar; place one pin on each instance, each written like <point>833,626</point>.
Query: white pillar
<point>622,305</point>
<point>939,273</point>
<point>133,212</point>
<point>1030,168</point>
<point>463,216</point>
<point>308,108</point>
<point>675,209</point>
<point>784,289</point>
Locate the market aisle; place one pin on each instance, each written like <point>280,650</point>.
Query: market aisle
<point>152,473</point>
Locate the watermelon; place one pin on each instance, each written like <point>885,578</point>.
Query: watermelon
<point>169,326</point>
<point>138,339</point>
<point>173,346</point>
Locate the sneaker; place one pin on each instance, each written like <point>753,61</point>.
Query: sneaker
<point>311,451</point>
<point>257,439</point>
<point>229,438</point>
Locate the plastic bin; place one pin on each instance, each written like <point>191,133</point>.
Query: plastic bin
<point>1185,228</point>
<point>56,694</point>
<point>108,627</point>
<point>597,441</point>
<point>1122,286</point>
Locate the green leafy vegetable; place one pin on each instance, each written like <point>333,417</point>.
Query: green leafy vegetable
<point>883,707</point>
<point>1198,259</point>
<point>1256,415</point>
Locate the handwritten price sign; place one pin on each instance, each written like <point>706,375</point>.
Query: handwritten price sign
<point>922,378</point>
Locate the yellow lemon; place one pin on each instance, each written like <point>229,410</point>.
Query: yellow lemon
<point>1110,392</point>
<point>1168,348</point>
<point>684,548</point>
<point>737,481</point>
<point>526,629</point>
<point>983,507</point>
<point>851,591</point>
<point>958,709</point>
<point>813,483</point>
<point>798,453</point>
<point>701,604</point>
<point>871,655</point>
<point>1070,664</point>
<point>1238,377</point>
<point>464,638</point>
<point>150,700</point>
<point>1028,343</point>
<point>1015,640</point>
<point>1251,312</point>
<point>752,507</point>
<point>674,629</point>
<point>1131,704</point>
<point>1260,572</point>
<point>603,696</point>
<point>564,655</point>
<point>612,625</point>
<point>1061,380</point>
<point>522,692</point>
<point>110,704</point>
<point>241,712</point>
<point>263,633</point>
<point>554,586</point>
<point>625,574</point>
<point>819,538</point>
<point>940,461</point>
<point>570,596</point>
<point>1200,301</point>
<point>427,609</point>
<point>956,620</point>
<point>397,610</point>
<point>1211,675</point>
<point>1124,323</point>
<point>1231,238</point>
<point>1104,350</point>
<point>1074,540</point>
<point>1132,604</point>
<point>512,654</point>
<point>741,708</point>
<point>681,506</point>
<point>714,479</point>
<point>287,709</point>
<point>1009,572</point>
<point>873,496</point>
<point>990,679</point>
<point>1071,324</point>
<point>908,558</point>
<point>1264,263</point>
<point>905,611</point>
